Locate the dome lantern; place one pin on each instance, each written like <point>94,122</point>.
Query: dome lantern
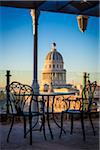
<point>53,47</point>
<point>54,55</point>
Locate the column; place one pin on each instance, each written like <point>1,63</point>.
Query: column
<point>35,16</point>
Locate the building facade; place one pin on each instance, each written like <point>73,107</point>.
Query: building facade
<point>53,70</point>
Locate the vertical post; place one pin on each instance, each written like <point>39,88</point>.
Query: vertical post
<point>85,77</point>
<point>84,85</point>
<point>35,16</point>
<point>7,88</point>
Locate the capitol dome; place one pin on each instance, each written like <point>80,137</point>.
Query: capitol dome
<point>53,70</point>
<point>54,56</point>
<point>53,60</point>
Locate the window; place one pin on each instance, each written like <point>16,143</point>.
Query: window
<point>53,66</point>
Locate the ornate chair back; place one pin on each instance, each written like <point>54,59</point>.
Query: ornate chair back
<point>20,98</point>
<point>88,96</point>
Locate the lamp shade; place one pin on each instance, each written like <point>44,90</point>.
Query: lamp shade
<point>82,22</point>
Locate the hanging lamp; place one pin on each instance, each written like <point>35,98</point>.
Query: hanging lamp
<point>82,22</point>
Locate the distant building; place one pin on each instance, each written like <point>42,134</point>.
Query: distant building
<point>53,73</point>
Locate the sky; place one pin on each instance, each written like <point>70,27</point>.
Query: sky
<point>80,51</point>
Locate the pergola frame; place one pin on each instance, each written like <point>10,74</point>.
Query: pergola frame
<point>89,8</point>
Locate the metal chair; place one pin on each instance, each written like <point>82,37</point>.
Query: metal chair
<point>21,104</point>
<point>85,104</point>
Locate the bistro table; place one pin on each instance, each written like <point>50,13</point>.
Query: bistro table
<point>47,106</point>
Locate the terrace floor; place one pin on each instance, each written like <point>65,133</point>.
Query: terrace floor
<point>67,142</point>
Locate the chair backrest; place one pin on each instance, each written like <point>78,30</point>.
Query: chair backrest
<point>20,97</point>
<point>88,95</point>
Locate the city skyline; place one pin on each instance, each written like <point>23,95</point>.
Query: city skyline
<point>79,50</point>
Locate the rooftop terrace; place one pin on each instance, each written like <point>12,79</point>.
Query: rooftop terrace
<point>67,142</point>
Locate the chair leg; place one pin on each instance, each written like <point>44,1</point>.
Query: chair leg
<point>71,124</point>
<point>61,124</point>
<point>43,123</point>
<point>41,127</point>
<point>10,129</point>
<point>24,127</point>
<point>82,124</point>
<point>30,129</point>
<point>91,124</point>
<point>48,121</point>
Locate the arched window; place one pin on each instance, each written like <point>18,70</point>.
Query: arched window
<point>53,66</point>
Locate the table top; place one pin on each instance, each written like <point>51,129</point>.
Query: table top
<point>49,94</point>
<point>55,93</point>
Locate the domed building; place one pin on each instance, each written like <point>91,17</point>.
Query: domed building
<point>53,70</point>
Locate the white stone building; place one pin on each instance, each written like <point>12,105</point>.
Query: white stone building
<point>53,70</point>
<point>53,74</point>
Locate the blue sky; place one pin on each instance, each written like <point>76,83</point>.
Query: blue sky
<point>79,50</point>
